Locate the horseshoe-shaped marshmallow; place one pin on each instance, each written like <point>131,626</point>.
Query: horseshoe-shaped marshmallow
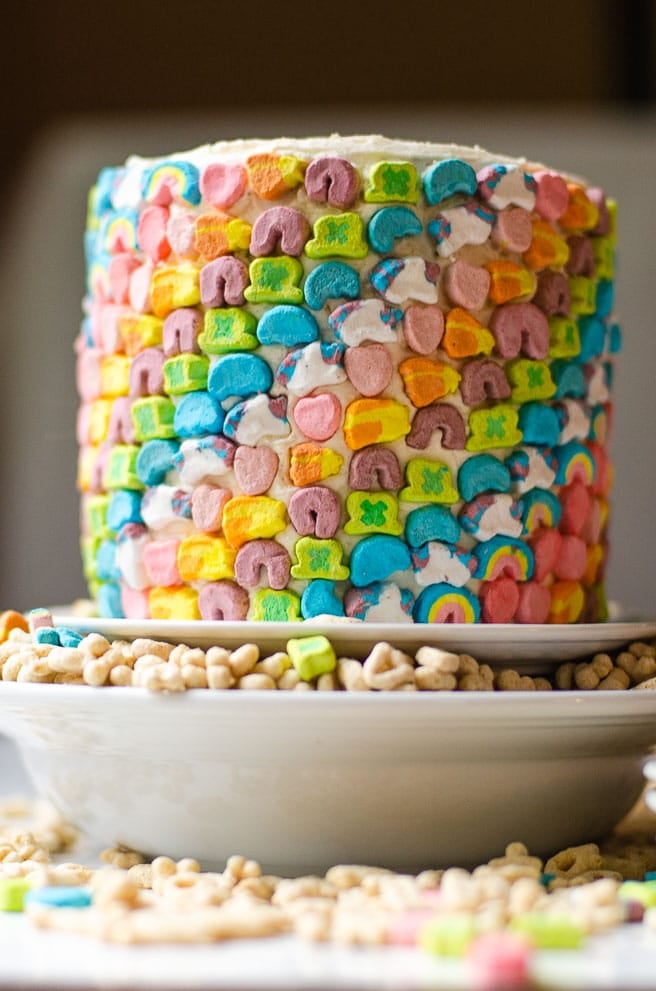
<point>180,332</point>
<point>222,282</point>
<point>281,226</point>
<point>315,511</point>
<point>375,468</point>
<point>442,417</point>
<point>257,554</point>
<point>223,601</point>
<point>332,180</point>
<point>520,327</point>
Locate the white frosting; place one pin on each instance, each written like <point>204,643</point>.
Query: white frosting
<point>361,149</point>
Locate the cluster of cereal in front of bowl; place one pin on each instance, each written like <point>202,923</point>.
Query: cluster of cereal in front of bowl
<point>337,379</point>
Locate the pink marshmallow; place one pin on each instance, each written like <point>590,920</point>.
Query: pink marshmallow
<point>552,195</point>
<point>499,600</point>
<point>369,368</point>
<point>160,558</point>
<point>318,416</point>
<point>572,560</point>
<point>134,603</point>
<point>151,233</point>
<point>255,469</point>
<point>534,603</point>
<point>223,184</point>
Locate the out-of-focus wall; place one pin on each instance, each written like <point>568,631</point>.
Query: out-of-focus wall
<point>42,280</point>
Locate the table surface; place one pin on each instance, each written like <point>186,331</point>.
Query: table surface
<point>33,960</point>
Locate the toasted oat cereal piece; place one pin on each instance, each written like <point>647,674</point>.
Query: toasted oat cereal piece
<point>289,679</point>
<point>433,679</point>
<point>144,645</point>
<point>275,665</point>
<point>387,668</point>
<point>243,659</point>
<point>350,675</point>
<point>575,860</point>
<point>121,856</point>
<point>442,660</point>
<point>257,682</point>
<point>94,645</point>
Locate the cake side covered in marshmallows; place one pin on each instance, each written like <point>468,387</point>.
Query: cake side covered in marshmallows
<point>346,377</point>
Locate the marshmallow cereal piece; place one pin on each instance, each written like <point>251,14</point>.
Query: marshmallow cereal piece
<point>311,656</point>
<point>203,458</point>
<point>400,279</point>
<point>458,226</point>
<point>310,367</point>
<point>364,320</point>
<point>491,515</point>
<point>506,185</point>
<point>251,517</point>
<point>256,419</point>
<point>330,280</point>
<point>437,562</point>
<point>380,602</point>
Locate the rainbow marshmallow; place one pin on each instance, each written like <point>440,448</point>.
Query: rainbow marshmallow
<point>171,180</point>
<point>575,461</point>
<point>442,603</point>
<point>503,556</point>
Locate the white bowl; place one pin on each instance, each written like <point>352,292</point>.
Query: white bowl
<point>303,781</point>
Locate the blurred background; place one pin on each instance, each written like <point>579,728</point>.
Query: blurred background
<point>84,84</point>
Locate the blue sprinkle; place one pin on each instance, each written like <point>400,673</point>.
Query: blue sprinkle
<point>106,567</point>
<point>319,599</point>
<point>154,460</point>
<point>390,223</point>
<point>124,507</point>
<point>59,896</point>
<point>431,523</point>
<point>287,325</point>
<point>331,280</point>
<point>69,638</point>
<point>539,424</point>
<point>47,634</point>
<point>239,374</point>
<point>482,473</point>
<point>108,598</point>
<point>196,414</point>
<point>377,557</point>
<point>444,179</point>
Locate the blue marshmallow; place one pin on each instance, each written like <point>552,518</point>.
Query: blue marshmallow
<point>239,374</point>
<point>482,473</point>
<point>390,223</point>
<point>319,599</point>
<point>154,460</point>
<point>431,523</point>
<point>377,557</point>
<point>446,178</point>
<point>331,280</point>
<point>196,414</point>
<point>287,325</point>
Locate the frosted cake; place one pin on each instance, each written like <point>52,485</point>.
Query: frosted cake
<point>346,377</point>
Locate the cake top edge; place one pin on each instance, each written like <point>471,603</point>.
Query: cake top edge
<point>361,148</point>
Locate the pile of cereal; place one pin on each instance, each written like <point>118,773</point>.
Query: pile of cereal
<point>514,904</point>
<point>57,655</point>
<point>351,376</point>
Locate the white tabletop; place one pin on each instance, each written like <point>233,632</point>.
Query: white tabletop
<point>33,960</point>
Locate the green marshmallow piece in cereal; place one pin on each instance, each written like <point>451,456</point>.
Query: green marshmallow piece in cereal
<point>494,427</point>
<point>226,330</point>
<point>564,338</point>
<point>448,936</point>
<point>319,558</point>
<point>372,512</point>
<point>393,182</point>
<point>185,373</point>
<point>275,606</point>
<point>275,280</point>
<point>121,471</point>
<point>311,656</point>
<point>338,235</point>
<point>428,481</point>
<point>583,294</point>
<point>13,891</point>
<point>530,380</point>
<point>152,418</point>
<point>548,932</point>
